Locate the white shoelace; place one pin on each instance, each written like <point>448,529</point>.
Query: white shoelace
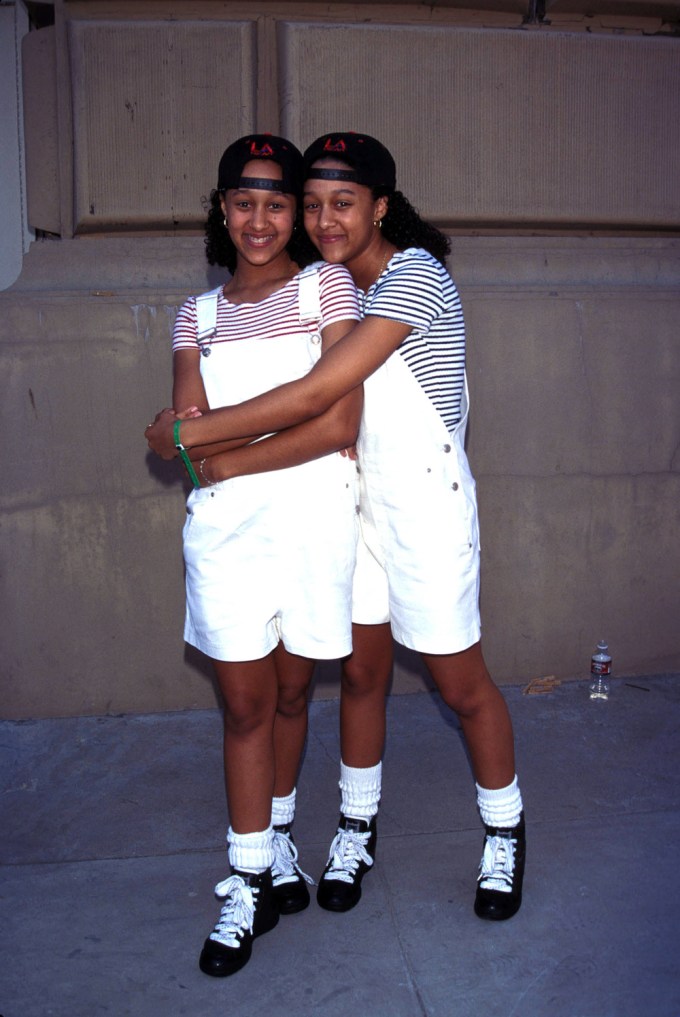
<point>347,851</point>
<point>238,912</point>
<point>284,867</point>
<point>498,864</point>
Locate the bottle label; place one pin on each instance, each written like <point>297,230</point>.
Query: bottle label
<point>600,667</point>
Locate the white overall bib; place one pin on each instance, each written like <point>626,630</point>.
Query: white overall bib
<point>270,557</point>
<point>418,555</point>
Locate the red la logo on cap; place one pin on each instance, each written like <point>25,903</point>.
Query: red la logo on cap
<point>265,150</point>
<point>339,146</point>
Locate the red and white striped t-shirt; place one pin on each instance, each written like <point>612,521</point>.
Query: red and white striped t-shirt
<point>275,317</point>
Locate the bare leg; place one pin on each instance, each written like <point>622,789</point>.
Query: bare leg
<point>467,688</point>
<point>249,690</point>
<point>249,909</point>
<point>365,679</point>
<point>293,674</point>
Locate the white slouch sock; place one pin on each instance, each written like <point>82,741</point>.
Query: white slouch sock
<point>501,808</point>
<point>251,852</point>
<point>283,810</point>
<point>360,790</point>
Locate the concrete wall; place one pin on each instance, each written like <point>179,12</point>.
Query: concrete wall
<point>550,153</point>
<point>15,237</point>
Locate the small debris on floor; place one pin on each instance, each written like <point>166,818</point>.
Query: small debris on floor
<point>537,686</point>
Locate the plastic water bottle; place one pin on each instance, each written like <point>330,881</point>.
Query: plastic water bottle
<point>600,669</point>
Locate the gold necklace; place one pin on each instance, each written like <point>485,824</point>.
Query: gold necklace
<point>383,266</point>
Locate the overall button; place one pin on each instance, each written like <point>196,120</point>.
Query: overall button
<point>316,338</point>
<point>446,448</point>
<point>428,470</point>
<point>454,486</point>
<point>357,510</point>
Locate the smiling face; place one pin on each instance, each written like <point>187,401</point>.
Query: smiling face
<point>339,217</point>
<point>260,221</point>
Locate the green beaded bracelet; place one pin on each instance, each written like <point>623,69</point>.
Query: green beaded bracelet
<point>183,454</point>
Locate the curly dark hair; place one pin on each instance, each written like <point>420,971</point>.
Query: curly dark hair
<point>220,250</point>
<point>403,226</point>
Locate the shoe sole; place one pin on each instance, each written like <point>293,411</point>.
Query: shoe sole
<point>225,971</point>
<point>338,907</point>
<point>491,917</point>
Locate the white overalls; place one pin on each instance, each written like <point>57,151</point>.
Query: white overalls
<point>270,557</point>
<point>418,555</point>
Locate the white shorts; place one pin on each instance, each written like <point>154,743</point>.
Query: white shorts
<point>421,573</point>
<point>270,558</point>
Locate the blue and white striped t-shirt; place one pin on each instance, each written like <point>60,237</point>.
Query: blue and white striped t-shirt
<point>416,290</point>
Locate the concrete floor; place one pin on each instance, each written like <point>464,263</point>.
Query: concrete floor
<point>112,834</point>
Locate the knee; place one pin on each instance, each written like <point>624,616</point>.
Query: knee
<point>463,681</point>
<point>365,678</point>
<point>471,698</point>
<point>291,703</point>
<point>463,701</point>
<point>245,715</point>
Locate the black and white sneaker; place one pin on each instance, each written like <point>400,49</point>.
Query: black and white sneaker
<point>351,855</point>
<point>501,872</point>
<point>288,879</point>
<point>249,910</point>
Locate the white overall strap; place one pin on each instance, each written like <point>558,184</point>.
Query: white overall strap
<point>206,316</point>
<point>309,295</point>
<point>464,400</point>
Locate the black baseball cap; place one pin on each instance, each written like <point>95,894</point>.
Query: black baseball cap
<point>262,146</point>
<point>370,163</point>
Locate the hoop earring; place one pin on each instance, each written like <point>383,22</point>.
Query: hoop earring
<point>378,223</point>
<point>226,224</point>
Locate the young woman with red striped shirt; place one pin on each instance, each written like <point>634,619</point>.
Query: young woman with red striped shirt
<point>269,557</point>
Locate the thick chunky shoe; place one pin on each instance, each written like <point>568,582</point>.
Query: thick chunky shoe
<point>351,855</point>
<point>288,879</point>
<point>501,872</point>
<point>249,910</point>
